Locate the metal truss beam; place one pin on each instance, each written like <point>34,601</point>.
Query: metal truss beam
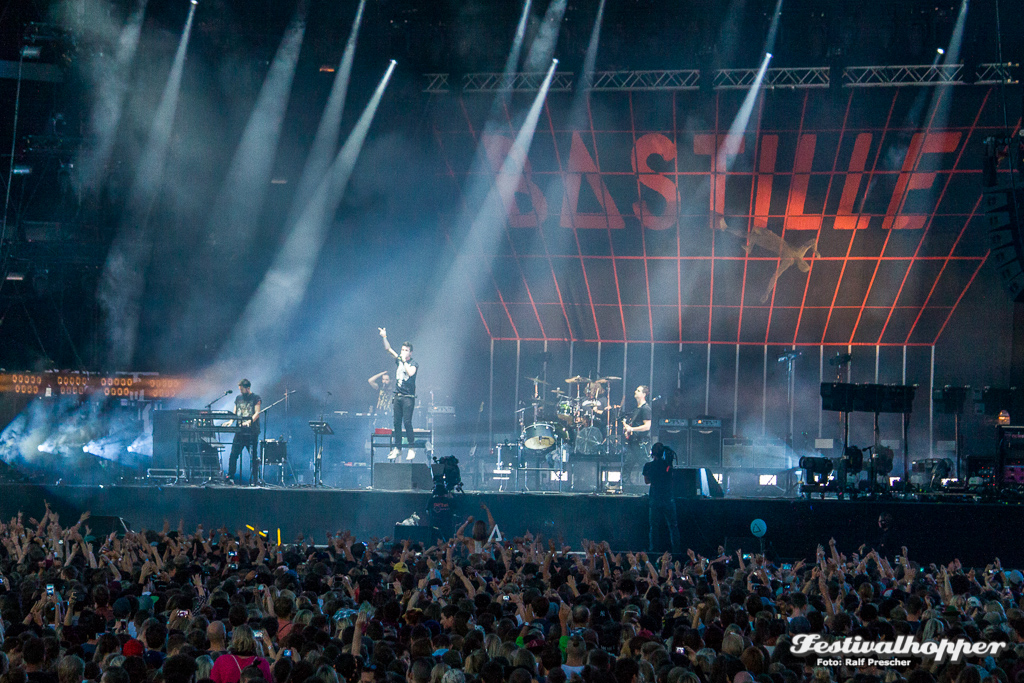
<point>861,76</point>
<point>674,79</point>
<point>791,77</point>
<point>437,83</point>
<point>736,79</point>
<point>491,82</point>
<point>989,74</point>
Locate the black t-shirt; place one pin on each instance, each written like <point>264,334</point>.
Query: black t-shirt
<point>659,473</point>
<point>245,406</point>
<point>404,385</point>
<point>640,415</point>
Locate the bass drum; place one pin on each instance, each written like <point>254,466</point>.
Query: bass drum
<point>508,456</point>
<point>589,441</point>
<point>539,437</point>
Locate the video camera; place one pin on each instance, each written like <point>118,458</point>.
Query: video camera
<point>446,474</point>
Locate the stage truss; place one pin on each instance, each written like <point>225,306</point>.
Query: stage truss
<point>722,79</point>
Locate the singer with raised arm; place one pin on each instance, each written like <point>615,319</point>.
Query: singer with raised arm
<point>637,430</point>
<point>404,400</point>
<point>247,408</point>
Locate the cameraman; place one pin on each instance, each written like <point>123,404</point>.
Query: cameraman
<point>661,504</point>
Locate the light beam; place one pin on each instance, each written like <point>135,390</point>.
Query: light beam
<point>255,345</point>
<point>123,279</point>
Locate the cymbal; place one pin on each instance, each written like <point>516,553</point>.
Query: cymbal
<point>536,380</point>
<point>609,378</point>
<point>558,391</point>
<point>575,380</point>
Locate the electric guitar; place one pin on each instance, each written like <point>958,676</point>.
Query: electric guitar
<point>630,437</point>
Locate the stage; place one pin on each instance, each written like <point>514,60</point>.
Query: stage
<point>932,532</point>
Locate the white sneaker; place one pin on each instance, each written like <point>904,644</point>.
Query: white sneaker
<point>411,455</point>
<point>394,453</point>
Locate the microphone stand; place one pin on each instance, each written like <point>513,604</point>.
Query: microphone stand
<point>209,406</point>
<point>264,439</point>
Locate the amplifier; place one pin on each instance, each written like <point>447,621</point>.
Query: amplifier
<point>676,435</point>
<point>275,451</point>
<point>441,410</point>
<point>705,442</point>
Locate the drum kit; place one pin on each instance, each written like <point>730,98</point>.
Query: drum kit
<point>557,423</point>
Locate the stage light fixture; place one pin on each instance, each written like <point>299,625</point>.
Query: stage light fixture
<point>768,55</point>
<point>195,2</point>
<point>816,466</point>
<point>31,51</point>
<point>940,50</point>
<point>853,460</point>
<point>882,460</point>
<point>21,169</point>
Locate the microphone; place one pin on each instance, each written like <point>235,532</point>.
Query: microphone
<point>229,391</point>
<point>656,398</point>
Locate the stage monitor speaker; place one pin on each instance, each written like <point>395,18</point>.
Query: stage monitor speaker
<point>165,439</point>
<point>402,476</point>
<point>695,482</point>
<point>706,444</point>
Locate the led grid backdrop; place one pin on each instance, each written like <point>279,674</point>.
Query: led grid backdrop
<point>610,234</point>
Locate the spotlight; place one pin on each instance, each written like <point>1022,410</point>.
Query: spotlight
<point>555,62</point>
<point>940,50</point>
<point>31,52</point>
<point>195,2</point>
<point>394,62</point>
<point>21,169</point>
<point>853,460</point>
<point>816,466</point>
<point>882,460</point>
<point>768,55</point>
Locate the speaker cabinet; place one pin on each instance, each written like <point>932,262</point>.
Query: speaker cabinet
<point>705,446</point>
<point>401,476</point>
<point>676,437</point>
<point>165,439</point>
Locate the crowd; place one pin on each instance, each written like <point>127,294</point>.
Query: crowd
<point>174,607</point>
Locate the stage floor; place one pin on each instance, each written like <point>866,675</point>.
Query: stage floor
<point>932,532</point>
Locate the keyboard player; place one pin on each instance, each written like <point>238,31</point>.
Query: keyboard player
<point>247,408</point>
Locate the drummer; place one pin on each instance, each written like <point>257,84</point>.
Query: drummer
<point>595,407</point>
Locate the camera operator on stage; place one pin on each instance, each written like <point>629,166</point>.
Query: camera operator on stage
<point>247,407</point>
<point>661,506</point>
<point>637,431</point>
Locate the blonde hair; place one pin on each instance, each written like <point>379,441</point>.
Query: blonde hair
<point>243,642</point>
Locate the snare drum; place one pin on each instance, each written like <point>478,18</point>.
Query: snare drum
<point>539,437</point>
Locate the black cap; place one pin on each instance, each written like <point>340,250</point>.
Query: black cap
<point>245,383</point>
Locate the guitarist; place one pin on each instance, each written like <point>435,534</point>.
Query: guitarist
<point>637,432</point>
<point>247,408</point>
